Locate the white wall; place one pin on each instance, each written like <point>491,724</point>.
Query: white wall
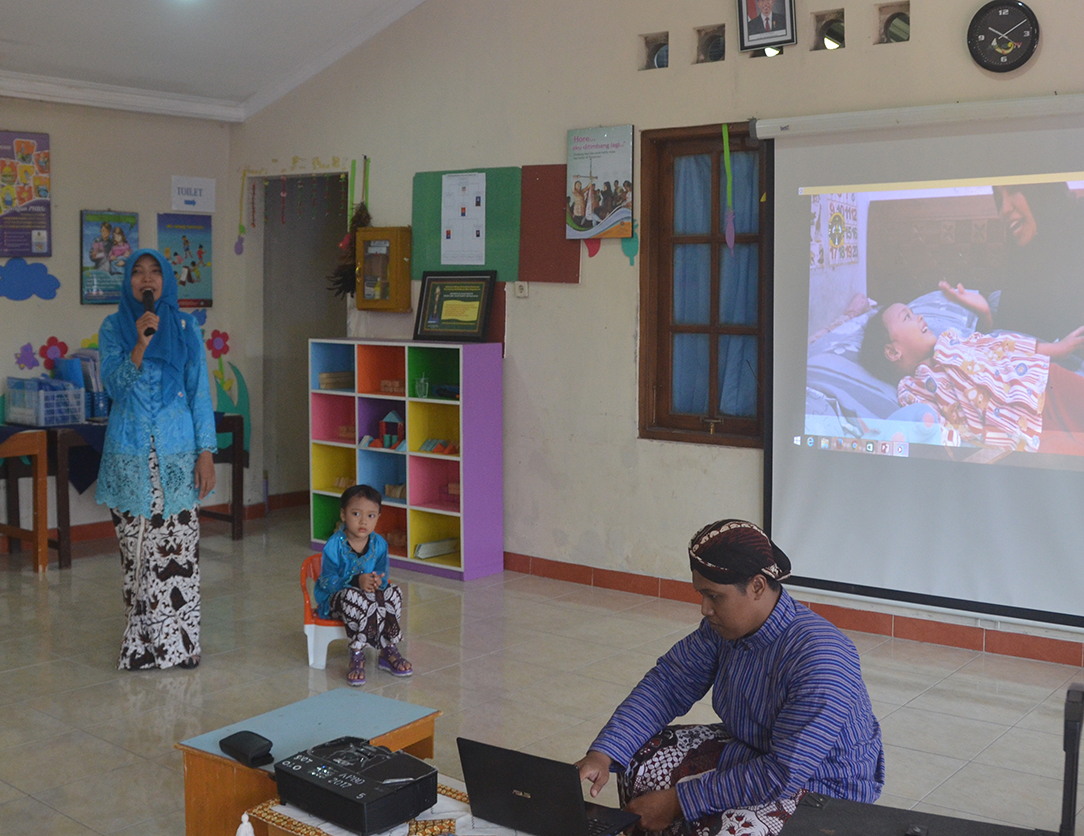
<point>104,159</point>
<point>464,83</point>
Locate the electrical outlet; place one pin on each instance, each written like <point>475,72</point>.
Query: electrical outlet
<point>523,290</point>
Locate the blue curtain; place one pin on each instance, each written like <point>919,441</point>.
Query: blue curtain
<point>738,292</point>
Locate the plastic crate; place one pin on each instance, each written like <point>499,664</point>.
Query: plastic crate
<point>40,408</point>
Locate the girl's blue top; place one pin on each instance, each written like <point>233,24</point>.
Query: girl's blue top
<point>181,427</point>
<point>340,563</point>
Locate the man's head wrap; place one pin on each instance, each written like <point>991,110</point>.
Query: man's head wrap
<point>733,551</point>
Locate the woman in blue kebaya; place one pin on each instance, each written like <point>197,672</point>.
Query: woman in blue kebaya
<point>157,463</point>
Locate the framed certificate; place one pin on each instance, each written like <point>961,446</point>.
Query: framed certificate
<point>454,305</point>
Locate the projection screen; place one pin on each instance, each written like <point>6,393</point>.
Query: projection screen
<point>944,462</point>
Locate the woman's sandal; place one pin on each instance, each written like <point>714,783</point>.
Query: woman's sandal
<point>355,674</point>
<point>392,661</point>
<point>189,663</point>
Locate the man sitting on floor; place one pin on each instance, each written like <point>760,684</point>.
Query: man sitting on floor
<point>787,688</point>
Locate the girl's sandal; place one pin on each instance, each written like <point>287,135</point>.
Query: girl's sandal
<point>392,661</point>
<point>355,674</point>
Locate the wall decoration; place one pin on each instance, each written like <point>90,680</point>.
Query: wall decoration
<point>192,194</point>
<point>454,306</point>
<point>631,246</point>
<point>764,23</point>
<point>185,241</point>
<point>219,346</point>
<point>25,358</point>
<point>463,218</point>
<point>25,194</point>
<point>20,280</point>
<point>108,238</point>
<point>52,351</point>
<point>598,199</point>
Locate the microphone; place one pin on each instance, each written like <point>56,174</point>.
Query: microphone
<point>148,305</point>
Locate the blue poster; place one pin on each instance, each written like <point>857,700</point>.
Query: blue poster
<point>185,240</point>
<point>108,238</point>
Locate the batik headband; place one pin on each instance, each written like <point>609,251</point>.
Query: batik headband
<point>733,551</point>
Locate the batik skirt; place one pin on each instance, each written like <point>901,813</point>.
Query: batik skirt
<point>370,618</point>
<point>679,751</point>
<point>160,559</point>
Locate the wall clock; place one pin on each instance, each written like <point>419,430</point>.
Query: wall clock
<point>1003,35</point>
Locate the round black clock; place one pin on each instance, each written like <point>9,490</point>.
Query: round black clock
<point>1003,35</point>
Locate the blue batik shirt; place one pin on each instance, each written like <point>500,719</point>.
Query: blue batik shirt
<point>340,563</point>
<point>181,428</point>
<point>792,697</point>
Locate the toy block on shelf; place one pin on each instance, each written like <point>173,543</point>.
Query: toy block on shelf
<point>435,548</point>
<point>392,429</point>
<point>396,538</point>
<point>336,380</point>
<point>393,387</point>
<point>395,491</point>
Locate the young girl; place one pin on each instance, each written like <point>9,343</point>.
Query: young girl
<point>353,586</point>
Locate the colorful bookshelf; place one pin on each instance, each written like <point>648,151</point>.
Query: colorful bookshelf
<point>421,423</point>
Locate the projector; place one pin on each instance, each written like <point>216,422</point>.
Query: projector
<point>359,786</point>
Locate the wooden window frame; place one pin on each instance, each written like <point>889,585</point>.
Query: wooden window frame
<point>656,295</point>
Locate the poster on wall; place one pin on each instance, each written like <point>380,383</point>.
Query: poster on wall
<point>185,241</point>
<point>25,195</point>
<point>107,239</point>
<point>599,190</point>
<point>463,218</point>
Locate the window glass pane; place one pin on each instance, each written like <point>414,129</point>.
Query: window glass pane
<point>738,376</point>
<point>692,194</point>
<point>738,290</point>
<point>692,284</point>
<point>690,374</point>
<point>745,170</point>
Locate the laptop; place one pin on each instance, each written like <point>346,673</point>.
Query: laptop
<point>532,794</point>
<point>817,814</point>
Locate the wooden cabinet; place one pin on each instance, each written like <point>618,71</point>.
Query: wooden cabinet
<point>421,423</point>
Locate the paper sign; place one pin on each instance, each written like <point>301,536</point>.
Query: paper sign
<point>193,194</point>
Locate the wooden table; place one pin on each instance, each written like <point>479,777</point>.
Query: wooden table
<point>218,789</point>
<point>32,443</point>
<point>60,441</point>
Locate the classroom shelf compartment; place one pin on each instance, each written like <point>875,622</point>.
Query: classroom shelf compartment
<point>439,366</point>
<point>332,418</point>
<point>445,497</point>
<point>329,357</point>
<point>434,484</point>
<point>378,469</point>
<point>428,420</point>
<point>325,516</point>
<point>379,365</point>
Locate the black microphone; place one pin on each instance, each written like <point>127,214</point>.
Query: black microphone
<point>148,306</point>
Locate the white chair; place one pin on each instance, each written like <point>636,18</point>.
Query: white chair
<point>320,632</point>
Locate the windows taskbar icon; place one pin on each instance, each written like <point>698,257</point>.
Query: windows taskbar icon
<point>853,445</point>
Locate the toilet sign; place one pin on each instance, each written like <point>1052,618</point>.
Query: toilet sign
<point>193,194</point>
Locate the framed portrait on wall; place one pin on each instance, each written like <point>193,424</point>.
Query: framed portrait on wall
<point>764,23</point>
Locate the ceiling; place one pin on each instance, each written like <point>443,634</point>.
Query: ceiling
<point>215,59</point>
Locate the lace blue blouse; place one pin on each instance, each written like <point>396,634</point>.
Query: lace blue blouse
<point>180,430</point>
<point>340,563</point>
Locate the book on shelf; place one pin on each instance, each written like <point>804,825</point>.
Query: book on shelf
<point>435,548</point>
<point>366,441</point>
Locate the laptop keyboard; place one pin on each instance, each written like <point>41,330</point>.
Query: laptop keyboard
<point>597,827</point>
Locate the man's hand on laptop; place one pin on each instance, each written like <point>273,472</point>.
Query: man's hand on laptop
<point>656,809</point>
<point>595,767</point>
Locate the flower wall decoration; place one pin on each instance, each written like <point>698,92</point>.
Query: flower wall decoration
<point>219,346</point>
<point>52,351</point>
<point>25,357</point>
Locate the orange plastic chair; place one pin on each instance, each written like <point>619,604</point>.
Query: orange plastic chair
<point>320,632</point>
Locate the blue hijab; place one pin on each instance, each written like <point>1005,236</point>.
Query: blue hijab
<point>168,349</point>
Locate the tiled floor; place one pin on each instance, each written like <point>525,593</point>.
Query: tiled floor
<point>515,660</point>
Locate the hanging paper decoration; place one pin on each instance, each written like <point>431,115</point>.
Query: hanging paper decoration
<point>283,194</point>
<point>239,245</point>
<point>314,197</point>
<point>327,195</point>
<point>365,181</point>
<point>25,357</point>
<point>592,246</point>
<point>265,202</point>
<point>728,214</point>
<point>252,211</point>
<point>52,351</point>
<point>300,183</point>
<point>343,195</point>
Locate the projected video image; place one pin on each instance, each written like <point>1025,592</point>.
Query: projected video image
<point>948,322</point>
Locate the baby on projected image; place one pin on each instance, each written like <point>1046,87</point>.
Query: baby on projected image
<point>995,391</point>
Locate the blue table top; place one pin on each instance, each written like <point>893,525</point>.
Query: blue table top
<point>318,719</point>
